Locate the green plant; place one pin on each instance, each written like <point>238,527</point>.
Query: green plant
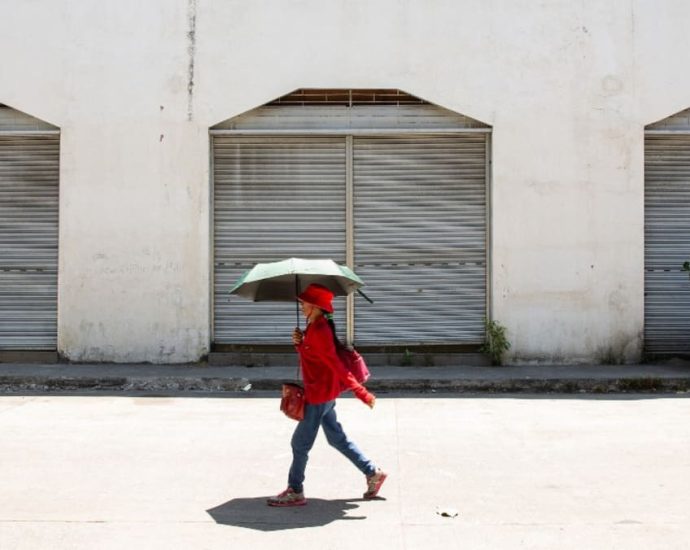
<point>496,342</point>
<point>406,360</point>
<point>686,267</point>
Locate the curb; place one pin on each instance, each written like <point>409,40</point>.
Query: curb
<point>58,384</point>
<point>14,384</point>
<point>562,386</point>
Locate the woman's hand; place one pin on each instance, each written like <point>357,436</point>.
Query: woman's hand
<point>297,337</point>
<point>372,401</point>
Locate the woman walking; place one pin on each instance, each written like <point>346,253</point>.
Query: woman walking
<point>324,378</point>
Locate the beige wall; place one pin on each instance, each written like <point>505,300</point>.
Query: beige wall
<point>567,87</point>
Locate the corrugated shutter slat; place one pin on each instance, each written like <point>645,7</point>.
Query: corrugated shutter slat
<point>420,239</point>
<point>667,243</point>
<point>274,198</point>
<point>29,173</point>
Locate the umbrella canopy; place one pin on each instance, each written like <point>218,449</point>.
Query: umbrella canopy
<point>282,281</point>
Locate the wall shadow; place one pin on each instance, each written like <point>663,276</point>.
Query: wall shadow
<point>254,513</point>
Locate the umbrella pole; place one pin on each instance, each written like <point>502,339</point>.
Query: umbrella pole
<point>296,300</point>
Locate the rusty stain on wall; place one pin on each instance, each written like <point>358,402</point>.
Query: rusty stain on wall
<point>191,50</point>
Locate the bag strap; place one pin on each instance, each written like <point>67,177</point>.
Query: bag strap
<point>299,360</point>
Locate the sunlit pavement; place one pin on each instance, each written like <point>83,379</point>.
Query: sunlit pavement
<point>548,472</point>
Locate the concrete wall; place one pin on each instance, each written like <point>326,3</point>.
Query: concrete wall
<point>134,86</point>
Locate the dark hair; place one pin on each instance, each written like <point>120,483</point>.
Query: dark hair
<point>336,340</point>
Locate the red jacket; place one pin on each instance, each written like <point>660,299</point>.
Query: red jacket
<point>323,373</point>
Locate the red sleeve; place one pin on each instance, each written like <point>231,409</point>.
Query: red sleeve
<point>325,347</point>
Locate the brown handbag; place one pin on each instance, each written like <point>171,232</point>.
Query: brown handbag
<point>292,401</point>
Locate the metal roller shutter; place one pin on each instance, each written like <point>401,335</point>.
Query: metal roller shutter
<point>29,174</point>
<point>667,243</point>
<point>420,238</point>
<point>273,198</point>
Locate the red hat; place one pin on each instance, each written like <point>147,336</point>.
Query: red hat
<point>319,296</point>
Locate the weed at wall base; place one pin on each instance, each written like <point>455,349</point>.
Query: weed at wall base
<point>496,342</point>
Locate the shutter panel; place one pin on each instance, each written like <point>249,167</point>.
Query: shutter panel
<point>667,243</point>
<point>274,198</point>
<point>29,175</point>
<point>420,239</point>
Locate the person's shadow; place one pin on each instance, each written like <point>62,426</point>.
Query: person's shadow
<point>253,513</point>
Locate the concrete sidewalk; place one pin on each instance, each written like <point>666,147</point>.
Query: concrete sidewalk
<point>670,377</point>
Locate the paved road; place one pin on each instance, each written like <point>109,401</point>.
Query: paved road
<point>133,472</point>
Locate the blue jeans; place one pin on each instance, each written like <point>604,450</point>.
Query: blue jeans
<point>305,435</point>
